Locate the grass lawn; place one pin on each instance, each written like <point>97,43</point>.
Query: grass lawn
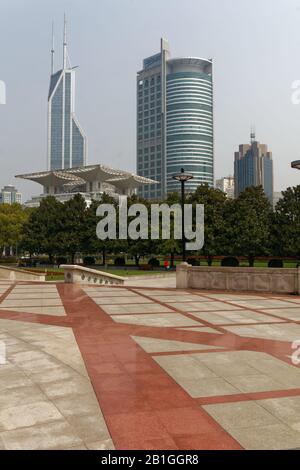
<point>57,274</point>
<point>132,272</point>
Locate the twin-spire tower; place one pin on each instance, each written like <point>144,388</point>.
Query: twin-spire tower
<point>67,145</point>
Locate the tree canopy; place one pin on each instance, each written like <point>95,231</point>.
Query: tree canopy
<point>246,226</point>
<point>12,220</point>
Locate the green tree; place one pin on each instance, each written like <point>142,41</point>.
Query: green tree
<point>172,246</point>
<point>286,224</point>
<point>12,220</point>
<point>214,225</point>
<point>74,226</point>
<point>140,248</point>
<point>93,244</point>
<point>248,224</point>
<point>43,231</point>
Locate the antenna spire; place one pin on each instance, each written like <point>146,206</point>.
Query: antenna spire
<point>252,134</point>
<point>65,52</point>
<point>52,50</point>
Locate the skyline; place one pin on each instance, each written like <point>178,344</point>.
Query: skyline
<point>252,78</point>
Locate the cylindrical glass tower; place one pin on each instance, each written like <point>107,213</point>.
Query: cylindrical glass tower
<point>189,118</point>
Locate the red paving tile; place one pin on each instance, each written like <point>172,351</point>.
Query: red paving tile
<point>188,421</point>
<point>144,408</point>
<point>114,383</point>
<point>206,441</point>
<point>141,424</point>
<point>107,369</point>
<point>139,367</point>
<point>136,428</point>
<point>149,444</point>
<point>123,402</point>
<point>168,398</point>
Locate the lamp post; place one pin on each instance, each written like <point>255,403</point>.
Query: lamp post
<point>296,164</point>
<point>182,177</point>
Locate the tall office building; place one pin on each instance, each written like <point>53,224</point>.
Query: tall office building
<point>276,198</point>
<point>66,140</point>
<point>226,185</point>
<point>10,195</point>
<point>174,122</point>
<point>2,92</point>
<point>253,166</point>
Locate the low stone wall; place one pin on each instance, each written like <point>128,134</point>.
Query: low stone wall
<point>13,274</point>
<point>274,280</point>
<point>75,274</point>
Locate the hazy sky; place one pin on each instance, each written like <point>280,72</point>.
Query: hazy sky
<point>255,45</point>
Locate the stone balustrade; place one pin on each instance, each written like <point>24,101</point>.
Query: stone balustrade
<point>14,274</point>
<point>80,275</point>
<point>274,280</point>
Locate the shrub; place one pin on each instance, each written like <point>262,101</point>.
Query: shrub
<point>230,261</point>
<point>154,262</point>
<point>193,261</point>
<point>120,261</point>
<point>25,263</point>
<point>43,261</point>
<point>8,260</point>
<point>89,260</point>
<point>275,263</point>
<point>61,260</point>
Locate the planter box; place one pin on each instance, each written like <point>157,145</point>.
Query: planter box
<point>274,280</point>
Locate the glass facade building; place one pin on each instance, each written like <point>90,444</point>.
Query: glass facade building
<point>174,122</point>
<point>66,140</point>
<point>253,166</point>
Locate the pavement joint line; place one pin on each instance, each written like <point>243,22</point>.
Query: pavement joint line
<point>186,314</point>
<point>80,322</point>
<point>188,352</point>
<point>7,292</point>
<point>233,304</point>
<point>248,396</point>
<point>131,330</point>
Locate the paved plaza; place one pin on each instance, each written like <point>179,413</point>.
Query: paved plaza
<point>145,367</point>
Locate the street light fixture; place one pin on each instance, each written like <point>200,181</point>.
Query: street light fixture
<point>183,177</point>
<point>296,164</point>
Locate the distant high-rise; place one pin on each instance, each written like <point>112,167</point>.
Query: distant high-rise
<point>253,166</point>
<point>2,92</point>
<point>10,195</point>
<point>276,197</point>
<point>66,140</point>
<point>226,185</point>
<point>174,122</point>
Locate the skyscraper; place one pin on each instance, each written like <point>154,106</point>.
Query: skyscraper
<point>2,92</point>
<point>10,195</point>
<point>174,121</point>
<point>66,140</point>
<point>226,185</point>
<point>253,166</point>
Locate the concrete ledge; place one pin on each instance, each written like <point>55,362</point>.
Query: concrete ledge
<point>274,280</point>
<point>75,274</point>
<point>152,276</point>
<point>13,274</point>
